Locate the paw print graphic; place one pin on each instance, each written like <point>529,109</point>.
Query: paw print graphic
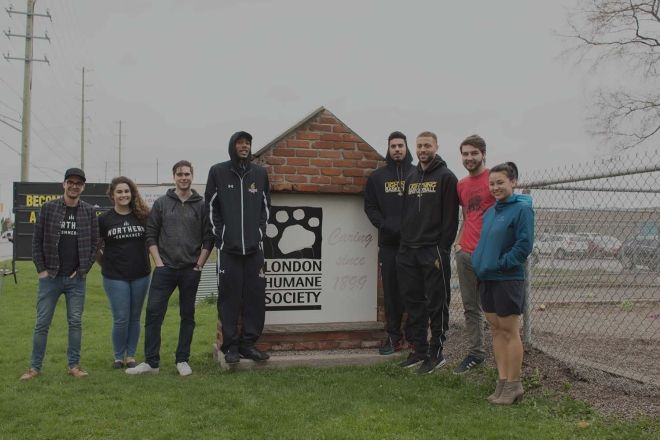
<point>294,232</point>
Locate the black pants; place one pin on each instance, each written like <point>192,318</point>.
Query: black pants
<point>241,293</point>
<point>392,296</point>
<point>163,282</point>
<point>424,275</point>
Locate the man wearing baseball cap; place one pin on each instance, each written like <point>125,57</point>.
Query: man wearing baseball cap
<point>63,250</point>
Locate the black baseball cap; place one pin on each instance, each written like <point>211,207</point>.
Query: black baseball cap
<point>75,172</point>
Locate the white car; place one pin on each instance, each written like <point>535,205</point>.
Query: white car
<point>9,235</point>
<point>562,245</point>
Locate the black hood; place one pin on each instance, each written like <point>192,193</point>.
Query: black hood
<point>232,148</point>
<point>406,160</point>
<point>436,162</point>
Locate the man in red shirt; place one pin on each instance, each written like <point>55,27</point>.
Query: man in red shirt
<point>474,198</point>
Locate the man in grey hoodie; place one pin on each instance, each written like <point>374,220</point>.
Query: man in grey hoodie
<point>179,239</point>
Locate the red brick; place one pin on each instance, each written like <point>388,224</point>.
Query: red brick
<point>282,347</point>
<point>307,153</point>
<point>298,161</point>
<point>285,169</point>
<point>362,146</point>
<point>272,160</point>
<point>328,120</point>
<point>308,135</point>
<point>321,162</point>
<point>372,155</point>
<point>336,137</point>
<point>282,187</point>
<point>324,145</point>
<point>353,172</point>
<point>353,155</point>
<point>365,164</point>
<point>293,143</point>
<point>328,345</point>
<point>275,178</point>
<point>323,180</point>
<point>288,152</point>
<point>353,189</point>
<point>331,171</point>
<point>349,344</point>
<point>296,178</point>
<point>345,145</point>
<point>350,137</point>
<point>305,346</point>
<point>360,180</point>
<point>341,180</point>
<point>308,171</point>
<point>305,187</point>
<point>330,154</point>
<point>280,144</point>
<point>344,163</point>
<point>330,188</point>
<point>339,128</point>
<point>320,127</point>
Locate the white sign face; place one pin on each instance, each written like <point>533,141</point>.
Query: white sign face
<point>321,260</point>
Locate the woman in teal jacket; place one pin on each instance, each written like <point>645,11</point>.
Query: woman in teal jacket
<point>507,239</point>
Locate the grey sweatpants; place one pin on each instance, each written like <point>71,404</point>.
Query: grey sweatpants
<point>474,316</point>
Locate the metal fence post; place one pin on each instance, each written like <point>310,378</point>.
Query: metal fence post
<point>527,310</point>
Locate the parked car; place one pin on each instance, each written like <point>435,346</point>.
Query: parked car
<point>562,245</point>
<point>9,235</point>
<point>603,245</point>
<point>641,251</point>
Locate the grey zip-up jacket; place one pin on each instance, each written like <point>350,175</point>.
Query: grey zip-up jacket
<point>179,229</point>
<point>238,196</point>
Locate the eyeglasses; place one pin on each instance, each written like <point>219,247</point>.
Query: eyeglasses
<point>75,183</point>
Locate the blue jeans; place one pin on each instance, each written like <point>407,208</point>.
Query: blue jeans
<point>48,293</point>
<point>126,300</point>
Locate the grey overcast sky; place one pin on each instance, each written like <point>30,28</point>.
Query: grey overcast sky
<point>184,75</point>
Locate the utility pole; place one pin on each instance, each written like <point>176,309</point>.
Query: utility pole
<point>157,171</point>
<point>27,79</point>
<point>82,123</point>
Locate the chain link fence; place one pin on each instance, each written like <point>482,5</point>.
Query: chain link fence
<point>594,287</point>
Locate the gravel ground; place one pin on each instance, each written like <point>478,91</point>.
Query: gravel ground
<point>609,394</point>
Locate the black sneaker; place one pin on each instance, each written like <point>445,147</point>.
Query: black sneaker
<point>253,353</point>
<point>412,360</point>
<point>431,364</point>
<point>468,363</point>
<point>390,347</point>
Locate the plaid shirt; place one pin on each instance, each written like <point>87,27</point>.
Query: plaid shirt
<point>46,237</point>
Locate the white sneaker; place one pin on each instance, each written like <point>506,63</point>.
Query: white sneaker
<point>184,369</point>
<point>142,369</point>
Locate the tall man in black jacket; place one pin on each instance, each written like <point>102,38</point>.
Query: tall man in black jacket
<point>179,239</point>
<point>428,229</point>
<point>383,200</point>
<point>238,195</point>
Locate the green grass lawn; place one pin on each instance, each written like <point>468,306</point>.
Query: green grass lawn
<point>351,402</point>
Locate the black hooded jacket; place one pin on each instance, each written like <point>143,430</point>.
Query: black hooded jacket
<point>430,207</point>
<point>238,195</point>
<point>383,198</point>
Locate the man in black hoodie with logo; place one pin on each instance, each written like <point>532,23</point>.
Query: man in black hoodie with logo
<point>383,200</point>
<point>428,229</point>
<point>238,195</point>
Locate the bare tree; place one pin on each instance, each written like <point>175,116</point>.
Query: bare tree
<point>624,33</point>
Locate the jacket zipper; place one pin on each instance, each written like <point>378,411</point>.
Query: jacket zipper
<point>242,208</point>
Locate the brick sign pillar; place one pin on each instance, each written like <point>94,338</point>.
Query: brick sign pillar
<point>321,155</point>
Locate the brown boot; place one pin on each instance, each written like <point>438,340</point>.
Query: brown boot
<point>512,392</point>
<point>498,390</point>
